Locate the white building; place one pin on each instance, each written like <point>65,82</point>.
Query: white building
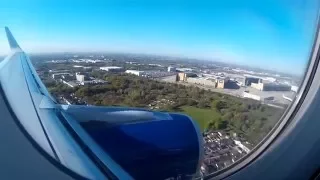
<point>135,72</point>
<point>93,61</point>
<point>77,66</point>
<point>131,62</point>
<point>80,77</point>
<point>184,69</point>
<point>270,79</point>
<point>294,88</point>
<point>159,65</point>
<point>86,60</point>
<point>112,68</point>
<point>84,67</point>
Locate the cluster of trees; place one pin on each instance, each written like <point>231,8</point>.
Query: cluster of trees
<point>248,118</point>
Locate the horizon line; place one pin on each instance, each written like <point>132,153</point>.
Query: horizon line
<point>164,55</point>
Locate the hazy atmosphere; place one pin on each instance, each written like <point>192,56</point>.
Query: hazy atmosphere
<point>271,34</point>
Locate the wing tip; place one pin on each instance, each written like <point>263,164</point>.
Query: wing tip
<point>12,42</point>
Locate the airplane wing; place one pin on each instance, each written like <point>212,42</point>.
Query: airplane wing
<point>97,142</point>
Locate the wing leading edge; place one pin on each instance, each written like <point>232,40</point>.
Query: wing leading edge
<point>99,142</point>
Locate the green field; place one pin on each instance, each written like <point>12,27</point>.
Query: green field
<point>201,116</point>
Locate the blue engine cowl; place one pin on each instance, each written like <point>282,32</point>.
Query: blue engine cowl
<point>151,149</point>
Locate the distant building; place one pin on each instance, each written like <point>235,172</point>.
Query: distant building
<point>248,80</point>
<point>63,76</point>
<point>86,61</point>
<point>131,62</point>
<point>294,88</point>
<point>190,74</point>
<point>220,83</point>
<point>60,75</point>
<point>181,77</point>
<point>84,79</point>
<point>270,86</point>
<point>257,85</point>
<point>216,82</point>
<point>87,82</point>
<point>159,65</point>
<point>112,69</point>
<point>184,69</point>
<point>135,72</point>
<point>226,83</point>
<point>84,67</point>
<point>171,69</point>
<point>276,87</point>
<point>202,81</point>
<point>255,79</point>
<point>80,77</point>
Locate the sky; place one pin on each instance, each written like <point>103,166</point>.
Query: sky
<point>270,34</point>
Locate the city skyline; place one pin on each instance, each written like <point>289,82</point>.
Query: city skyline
<point>273,35</point>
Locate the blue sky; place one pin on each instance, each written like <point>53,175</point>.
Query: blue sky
<point>272,34</point>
